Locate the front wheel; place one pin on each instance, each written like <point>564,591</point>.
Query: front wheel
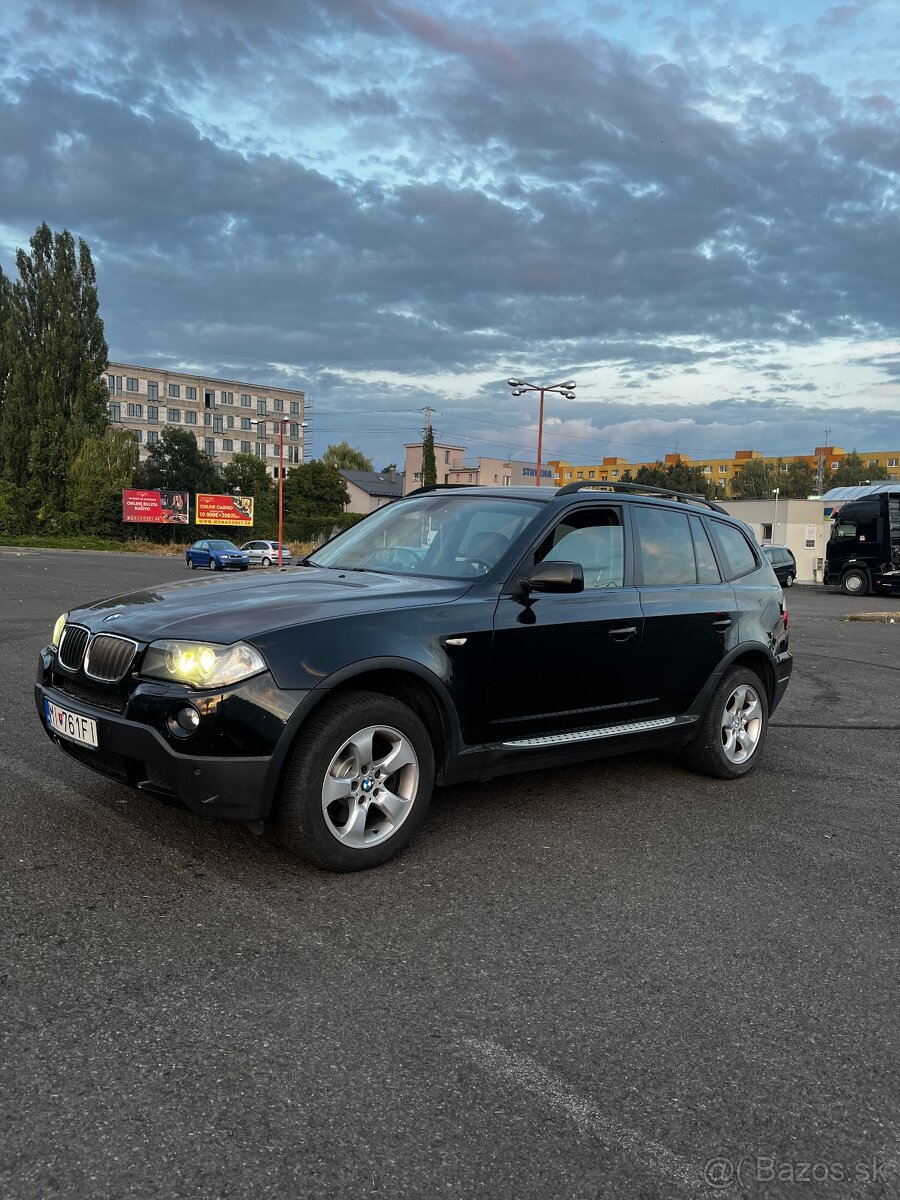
<point>358,783</point>
<point>855,583</point>
<point>733,730</point>
<point>215,565</point>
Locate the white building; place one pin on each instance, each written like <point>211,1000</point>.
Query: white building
<point>226,416</point>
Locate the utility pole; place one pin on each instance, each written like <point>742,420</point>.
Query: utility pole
<point>820,465</point>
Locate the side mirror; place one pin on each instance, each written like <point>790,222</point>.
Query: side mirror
<point>555,577</point>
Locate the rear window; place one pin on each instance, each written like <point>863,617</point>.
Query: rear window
<point>735,551</point>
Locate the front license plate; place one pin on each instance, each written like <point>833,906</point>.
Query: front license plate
<point>71,725</point>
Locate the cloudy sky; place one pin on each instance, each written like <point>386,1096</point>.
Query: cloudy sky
<point>690,208</point>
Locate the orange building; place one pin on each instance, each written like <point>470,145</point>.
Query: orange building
<point>879,464</point>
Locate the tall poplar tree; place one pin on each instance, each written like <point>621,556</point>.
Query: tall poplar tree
<point>429,464</point>
<point>5,309</point>
<point>56,396</point>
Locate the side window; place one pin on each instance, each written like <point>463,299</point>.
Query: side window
<point>667,548</point>
<point>707,568</point>
<point>204,545</point>
<point>595,539</point>
<point>734,550</point>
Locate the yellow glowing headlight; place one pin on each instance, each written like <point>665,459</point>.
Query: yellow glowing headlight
<point>202,664</point>
<point>58,628</point>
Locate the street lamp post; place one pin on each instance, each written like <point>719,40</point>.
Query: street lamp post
<point>520,387</point>
<point>281,424</point>
<point>776,492</point>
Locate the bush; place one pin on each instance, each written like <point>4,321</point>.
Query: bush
<point>318,527</point>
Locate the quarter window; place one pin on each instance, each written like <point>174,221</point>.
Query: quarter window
<point>707,568</point>
<point>734,550</point>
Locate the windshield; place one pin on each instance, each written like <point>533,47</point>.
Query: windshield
<point>453,537</point>
<point>222,546</point>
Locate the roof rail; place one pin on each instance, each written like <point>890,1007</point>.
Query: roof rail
<point>641,489</point>
<point>436,487</point>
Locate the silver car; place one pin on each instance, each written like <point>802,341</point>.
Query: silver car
<point>266,553</point>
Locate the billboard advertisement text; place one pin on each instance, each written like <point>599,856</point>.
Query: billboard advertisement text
<point>155,508</point>
<point>223,510</point>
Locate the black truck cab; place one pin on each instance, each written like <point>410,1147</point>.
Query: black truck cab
<point>863,553</point>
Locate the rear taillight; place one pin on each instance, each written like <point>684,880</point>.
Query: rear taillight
<point>784,613</point>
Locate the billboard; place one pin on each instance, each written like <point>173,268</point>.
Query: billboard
<point>223,510</point>
<point>155,508</point>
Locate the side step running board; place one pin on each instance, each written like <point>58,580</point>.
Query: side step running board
<point>589,735</point>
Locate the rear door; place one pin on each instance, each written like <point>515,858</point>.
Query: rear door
<point>565,662</point>
<point>690,614</point>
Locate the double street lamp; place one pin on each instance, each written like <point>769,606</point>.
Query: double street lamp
<point>520,387</point>
<point>261,428</point>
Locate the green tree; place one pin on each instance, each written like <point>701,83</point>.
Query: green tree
<point>314,489</point>
<point>756,480</point>
<point>102,468</point>
<point>800,480</point>
<point>246,474</point>
<point>5,313</point>
<point>678,476</point>
<point>429,463</point>
<point>390,467</point>
<point>345,457</point>
<point>851,472</point>
<point>176,462</point>
<point>56,396</point>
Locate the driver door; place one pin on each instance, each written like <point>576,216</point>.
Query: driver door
<point>566,662</point>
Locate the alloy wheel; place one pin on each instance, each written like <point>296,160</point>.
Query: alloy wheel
<point>370,786</point>
<point>741,724</point>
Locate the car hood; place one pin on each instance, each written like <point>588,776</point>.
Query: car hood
<point>219,608</point>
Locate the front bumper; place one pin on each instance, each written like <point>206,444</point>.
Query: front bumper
<point>238,786</point>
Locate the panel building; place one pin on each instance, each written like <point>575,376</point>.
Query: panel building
<point>878,464</point>
<point>226,416</point>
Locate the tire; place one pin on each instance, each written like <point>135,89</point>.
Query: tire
<point>789,580</point>
<point>267,562</point>
<point>855,583</point>
<point>709,752</point>
<point>319,817</point>
<point>214,565</point>
<point>247,568</point>
<point>190,563</point>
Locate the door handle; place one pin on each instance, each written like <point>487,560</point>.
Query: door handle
<point>722,622</point>
<point>623,633</point>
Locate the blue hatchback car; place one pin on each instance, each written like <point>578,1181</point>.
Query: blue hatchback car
<point>216,555</point>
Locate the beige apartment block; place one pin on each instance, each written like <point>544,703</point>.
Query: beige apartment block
<point>227,416</point>
<point>452,467</point>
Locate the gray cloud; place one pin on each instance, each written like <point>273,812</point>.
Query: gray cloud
<point>354,185</point>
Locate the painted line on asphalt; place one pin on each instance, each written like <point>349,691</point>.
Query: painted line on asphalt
<point>552,1089</point>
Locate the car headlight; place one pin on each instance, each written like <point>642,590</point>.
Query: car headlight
<point>58,628</point>
<point>202,664</point>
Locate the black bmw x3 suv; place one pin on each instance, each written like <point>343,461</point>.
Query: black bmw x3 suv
<point>456,634</point>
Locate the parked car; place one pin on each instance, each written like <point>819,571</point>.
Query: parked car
<point>455,634</point>
<point>266,553</point>
<point>783,564</point>
<point>217,555</point>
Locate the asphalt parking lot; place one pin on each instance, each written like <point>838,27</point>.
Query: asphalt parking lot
<point>584,983</point>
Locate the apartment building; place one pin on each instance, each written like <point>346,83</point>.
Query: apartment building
<point>879,464</point>
<point>226,416</point>
<point>452,467</point>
